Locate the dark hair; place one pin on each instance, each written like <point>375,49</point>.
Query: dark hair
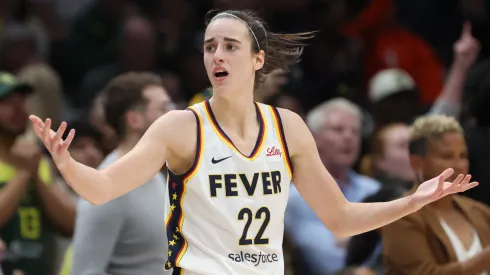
<point>83,129</point>
<point>124,93</point>
<point>281,50</point>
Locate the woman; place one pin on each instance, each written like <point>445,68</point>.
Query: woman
<point>450,236</point>
<point>229,157</point>
<point>389,161</point>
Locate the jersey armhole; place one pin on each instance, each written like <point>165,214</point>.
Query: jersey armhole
<point>282,138</point>
<point>197,158</point>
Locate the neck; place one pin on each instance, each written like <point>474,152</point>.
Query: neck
<point>236,112</point>
<point>127,143</point>
<point>444,204</point>
<point>340,174</point>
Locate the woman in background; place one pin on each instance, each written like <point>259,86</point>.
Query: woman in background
<point>450,236</point>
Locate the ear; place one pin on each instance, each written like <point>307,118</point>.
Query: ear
<point>259,60</point>
<point>134,120</point>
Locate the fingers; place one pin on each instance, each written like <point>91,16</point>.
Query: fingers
<point>36,120</point>
<point>464,185</point>
<point>56,141</point>
<point>461,184</point>
<point>52,140</point>
<point>456,184</point>
<point>466,31</point>
<point>68,140</point>
<point>38,130</point>
<point>470,185</point>
<point>46,134</point>
<point>446,174</point>
<point>37,125</point>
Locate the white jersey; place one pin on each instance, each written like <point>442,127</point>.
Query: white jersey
<point>225,216</point>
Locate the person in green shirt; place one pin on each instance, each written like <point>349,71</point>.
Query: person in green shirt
<point>31,205</point>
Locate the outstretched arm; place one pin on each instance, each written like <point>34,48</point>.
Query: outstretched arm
<point>132,170</point>
<point>323,195</point>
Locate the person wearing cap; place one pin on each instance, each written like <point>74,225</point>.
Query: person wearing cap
<point>395,96</point>
<point>31,204</point>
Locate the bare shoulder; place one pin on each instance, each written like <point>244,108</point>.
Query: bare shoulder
<point>179,130</point>
<point>175,127</point>
<point>297,134</point>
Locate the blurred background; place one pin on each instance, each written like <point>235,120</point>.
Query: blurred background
<point>389,60</point>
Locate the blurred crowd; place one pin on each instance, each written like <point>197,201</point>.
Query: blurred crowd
<point>393,91</point>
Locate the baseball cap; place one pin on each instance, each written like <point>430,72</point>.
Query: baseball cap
<point>9,83</point>
<point>389,82</point>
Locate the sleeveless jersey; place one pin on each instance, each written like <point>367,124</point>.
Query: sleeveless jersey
<point>226,214</point>
<point>27,233</point>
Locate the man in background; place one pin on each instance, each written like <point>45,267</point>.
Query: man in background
<point>127,235</point>
<point>336,127</point>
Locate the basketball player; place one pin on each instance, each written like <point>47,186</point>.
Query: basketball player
<point>231,162</point>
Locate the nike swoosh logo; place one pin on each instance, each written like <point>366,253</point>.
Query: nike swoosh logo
<point>214,161</point>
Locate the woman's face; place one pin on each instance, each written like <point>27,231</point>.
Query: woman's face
<point>447,151</point>
<point>228,57</point>
<point>395,158</point>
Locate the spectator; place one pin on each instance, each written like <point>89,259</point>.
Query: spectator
<point>452,235</point>
<point>335,124</point>
<point>30,201</point>
<point>97,119</point>
<point>477,137</point>
<point>389,161</point>
<point>47,97</point>
<point>394,92</point>
<point>127,235</point>
<point>136,52</point>
<point>85,148</point>
<point>19,47</point>
<point>390,45</point>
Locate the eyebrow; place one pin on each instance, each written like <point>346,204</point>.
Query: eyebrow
<point>228,39</point>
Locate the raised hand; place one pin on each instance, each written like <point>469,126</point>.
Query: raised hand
<point>437,188</point>
<point>467,47</point>
<point>57,147</point>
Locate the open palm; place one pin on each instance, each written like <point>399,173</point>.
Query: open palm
<point>437,187</point>
<point>57,147</point>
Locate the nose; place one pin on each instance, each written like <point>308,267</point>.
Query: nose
<point>348,134</point>
<point>218,56</point>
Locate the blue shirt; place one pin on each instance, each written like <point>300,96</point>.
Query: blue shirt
<point>324,253</point>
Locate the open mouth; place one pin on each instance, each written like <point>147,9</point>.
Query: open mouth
<point>220,74</point>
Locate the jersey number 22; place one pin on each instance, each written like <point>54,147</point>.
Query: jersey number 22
<point>247,214</point>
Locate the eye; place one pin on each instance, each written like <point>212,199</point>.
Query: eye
<point>231,47</point>
<point>209,48</point>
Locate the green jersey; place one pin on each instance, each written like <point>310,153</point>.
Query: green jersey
<point>27,234</point>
